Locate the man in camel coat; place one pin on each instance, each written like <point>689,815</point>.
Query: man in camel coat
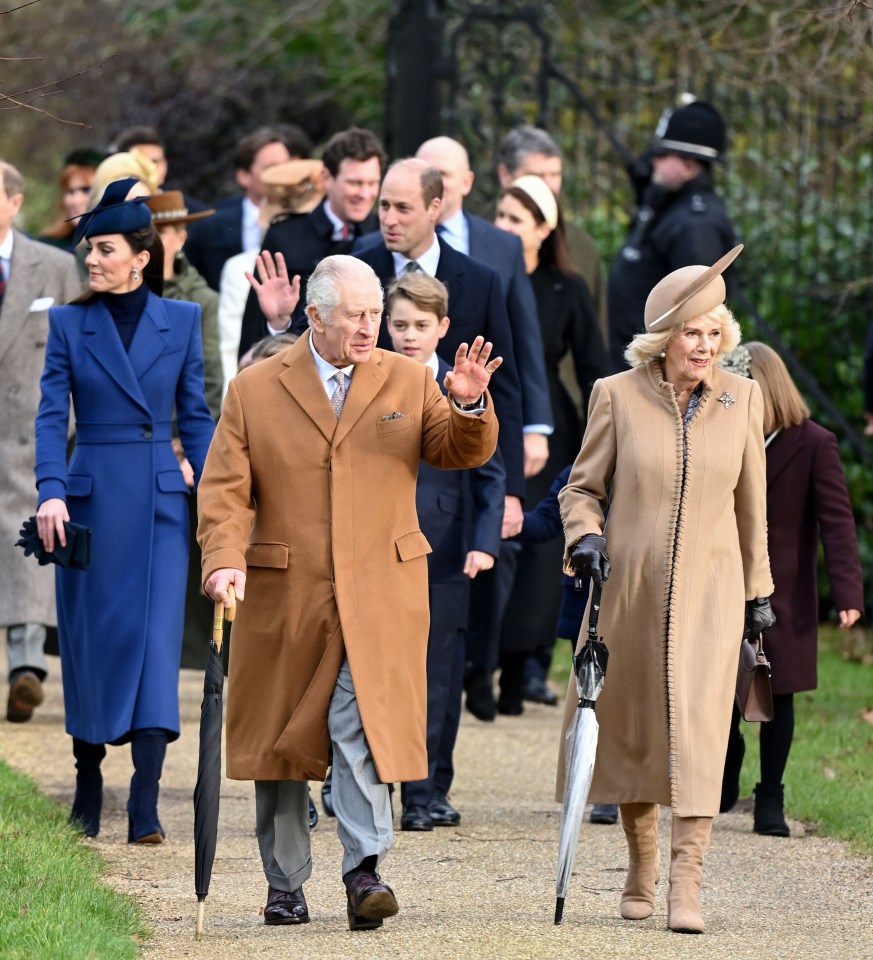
<point>307,507</point>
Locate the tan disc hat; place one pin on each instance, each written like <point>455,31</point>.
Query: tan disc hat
<point>687,293</point>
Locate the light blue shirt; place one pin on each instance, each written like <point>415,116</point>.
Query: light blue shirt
<point>456,232</point>
<point>428,261</point>
<point>6,254</point>
<point>327,370</point>
<point>339,225</point>
<point>251,227</point>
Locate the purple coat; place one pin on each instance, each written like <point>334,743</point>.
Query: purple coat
<point>807,501</point>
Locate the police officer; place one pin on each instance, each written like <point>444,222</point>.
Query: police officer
<point>680,220</point>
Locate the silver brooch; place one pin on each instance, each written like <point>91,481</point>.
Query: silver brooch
<point>726,399</point>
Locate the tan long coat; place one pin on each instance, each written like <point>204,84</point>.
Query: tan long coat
<point>321,514</point>
<point>684,560</point>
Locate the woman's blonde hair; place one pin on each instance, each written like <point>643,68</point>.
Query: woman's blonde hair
<point>646,346</point>
<point>783,404</point>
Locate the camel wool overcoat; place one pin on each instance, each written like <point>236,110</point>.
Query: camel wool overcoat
<point>687,540</point>
<point>320,515</point>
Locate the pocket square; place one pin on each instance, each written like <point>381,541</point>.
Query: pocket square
<point>76,554</point>
<point>40,304</point>
<point>394,416</point>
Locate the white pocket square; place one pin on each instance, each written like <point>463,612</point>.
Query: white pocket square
<point>41,303</point>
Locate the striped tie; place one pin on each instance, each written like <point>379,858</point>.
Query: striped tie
<point>338,397</point>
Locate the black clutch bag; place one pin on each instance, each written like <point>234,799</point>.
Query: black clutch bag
<point>76,555</point>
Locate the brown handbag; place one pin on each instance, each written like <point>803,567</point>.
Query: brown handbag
<point>753,694</point>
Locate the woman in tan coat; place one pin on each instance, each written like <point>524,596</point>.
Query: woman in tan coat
<point>674,449</point>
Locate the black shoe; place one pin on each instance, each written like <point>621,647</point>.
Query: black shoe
<point>326,803</point>
<point>313,814</point>
<point>416,818</point>
<point>25,695</point>
<point>604,813</point>
<point>510,706</point>
<point>369,901</point>
<point>284,908</point>
<point>538,691</point>
<point>769,811</point>
<point>480,694</point>
<point>442,813</point>
<point>733,763</point>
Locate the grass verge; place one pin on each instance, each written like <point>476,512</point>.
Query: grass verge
<point>829,777</point>
<point>54,906</point>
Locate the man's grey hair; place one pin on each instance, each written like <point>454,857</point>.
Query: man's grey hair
<point>522,140</point>
<point>322,290</point>
<point>13,182</point>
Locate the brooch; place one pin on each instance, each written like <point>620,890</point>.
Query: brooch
<point>726,399</point>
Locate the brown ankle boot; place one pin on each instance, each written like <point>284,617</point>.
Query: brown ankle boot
<point>688,848</point>
<point>640,822</point>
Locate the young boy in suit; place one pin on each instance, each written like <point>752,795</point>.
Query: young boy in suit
<point>460,513</point>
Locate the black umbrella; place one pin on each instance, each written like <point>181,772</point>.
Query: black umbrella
<point>580,748</point>
<point>208,786</point>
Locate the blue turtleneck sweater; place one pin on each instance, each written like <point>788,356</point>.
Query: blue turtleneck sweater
<point>126,309</point>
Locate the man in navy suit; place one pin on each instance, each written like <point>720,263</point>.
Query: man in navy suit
<point>461,514</point>
<point>234,226</point>
<point>409,207</point>
<point>501,250</point>
<point>353,163</point>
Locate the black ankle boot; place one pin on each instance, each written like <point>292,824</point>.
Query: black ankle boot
<point>733,763</point>
<point>88,802</point>
<point>148,749</point>
<point>769,812</point>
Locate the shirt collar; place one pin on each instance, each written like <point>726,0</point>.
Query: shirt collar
<point>326,370</point>
<point>434,365</point>
<point>339,225</point>
<point>428,261</point>
<point>456,232</point>
<point>6,246</point>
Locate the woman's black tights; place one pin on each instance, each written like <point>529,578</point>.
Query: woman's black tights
<point>776,737</point>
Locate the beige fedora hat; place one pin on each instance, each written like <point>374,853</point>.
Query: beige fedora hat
<point>687,293</point>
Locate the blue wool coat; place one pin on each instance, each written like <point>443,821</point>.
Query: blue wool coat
<point>120,621</point>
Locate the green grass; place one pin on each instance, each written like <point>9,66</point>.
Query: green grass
<point>829,777</point>
<point>53,904</point>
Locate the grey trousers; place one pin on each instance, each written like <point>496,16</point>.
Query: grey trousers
<point>361,801</point>
<point>25,648</point>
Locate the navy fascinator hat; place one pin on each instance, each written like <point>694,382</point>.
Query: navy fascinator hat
<point>114,214</point>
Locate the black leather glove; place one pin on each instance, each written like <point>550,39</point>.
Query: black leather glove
<point>589,558</point>
<point>759,615</point>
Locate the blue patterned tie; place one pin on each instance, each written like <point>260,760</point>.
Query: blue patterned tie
<point>2,284</point>
<point>338,397</point>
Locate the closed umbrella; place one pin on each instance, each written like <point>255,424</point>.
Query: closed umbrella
<point>208,786</point>
<point>580,748</point>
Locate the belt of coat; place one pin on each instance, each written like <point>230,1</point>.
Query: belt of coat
<point>150,432</point>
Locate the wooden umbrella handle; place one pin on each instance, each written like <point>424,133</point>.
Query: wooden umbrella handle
<point>221,614</point>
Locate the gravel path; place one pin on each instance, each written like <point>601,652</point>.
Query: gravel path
<point>483,890</point>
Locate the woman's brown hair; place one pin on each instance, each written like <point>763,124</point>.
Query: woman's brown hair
<point>783,404</point>
<point>553,252</point>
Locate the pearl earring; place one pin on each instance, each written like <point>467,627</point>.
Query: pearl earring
<point>135,274</point>
<point>663,354</point>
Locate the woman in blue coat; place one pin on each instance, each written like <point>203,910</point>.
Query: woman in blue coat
<point>130,361</point>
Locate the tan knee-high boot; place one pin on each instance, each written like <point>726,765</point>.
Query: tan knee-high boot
<point>688,848</point>
<point>640,822</point>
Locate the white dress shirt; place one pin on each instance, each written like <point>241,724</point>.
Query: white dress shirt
<point>251,227</point>
<point>428,261</point>
<point>327,370</point>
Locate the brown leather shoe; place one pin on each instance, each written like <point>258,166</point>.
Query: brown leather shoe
<point>285,908</point>
<point>370,901</point>
<point>25,695</point>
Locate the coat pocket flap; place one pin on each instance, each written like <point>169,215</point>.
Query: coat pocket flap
<point>267,555</point>
<point>412,545</point>
<point>171,481</point>
<point>78,485</point>
<point>395,423</point>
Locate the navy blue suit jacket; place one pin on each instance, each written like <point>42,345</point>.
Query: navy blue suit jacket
<point>459,511</point>
<point>214,240</point>
<point>476,308</point>
<point>502,250</point>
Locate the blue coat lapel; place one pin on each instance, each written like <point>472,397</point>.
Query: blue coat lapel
<point>150,339</point>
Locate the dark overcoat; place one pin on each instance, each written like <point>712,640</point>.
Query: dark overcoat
<point>807,501</point>
<point>120,621</point>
